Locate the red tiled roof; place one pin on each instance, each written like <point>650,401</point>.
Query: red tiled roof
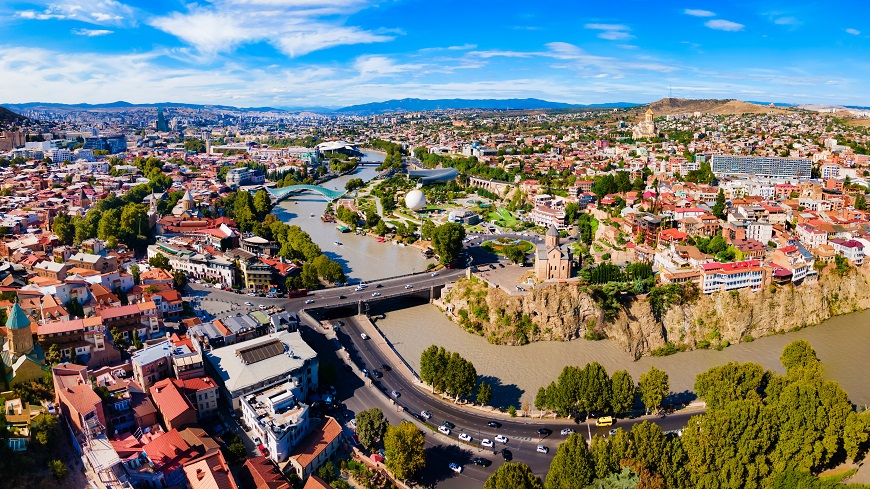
<point>169,451</point>
<point>115,312</point>
<point>209,472</point>
<point>315,482</point>
<point>265,474</point>
<point>169,399</point>
<point>316,442</point>
<point>61,327</point>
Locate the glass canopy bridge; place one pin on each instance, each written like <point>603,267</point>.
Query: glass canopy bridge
<point>280,194</point>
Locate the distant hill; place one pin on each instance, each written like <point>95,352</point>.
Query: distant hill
<point>672,106</point>
<point>419,105</point>
<point>127,105</point>
<point>9,117</point>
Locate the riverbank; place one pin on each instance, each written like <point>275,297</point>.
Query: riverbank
<point>708,321</point>
<point>516,372</point>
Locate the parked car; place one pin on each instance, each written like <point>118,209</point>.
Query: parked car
<point>486,442</point>
<point>456,468</point>
<point>501,438</point>
<point>543,449</point>
<point>465,437</point>
<point>567,431</point>
<point>444,429</point>
<point>51,408</point>
<point>263,450</point>
<point>483,462</point>
<point>612,432</point>
<point>507,454</point>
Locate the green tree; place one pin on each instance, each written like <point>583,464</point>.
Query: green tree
<point>861,202</point>
<point>654,385</point>
<point>484,393</point>
<point>513,475</point>
<point>57,469</point>
<point>595,388</point>
<point>447,241</point>
<point>118,339</point>
<point>45,430</point>
<point>109,224</point>
<point>52,355</point>
<point>572,211</point>
<point>381,228</point>
<point>433,364</point>
<point>514,253</point>
<point>63,227</point>
<point>719,207</point>
<point>625,479</point>
<point>404,446</point>
<point>572,466</point>
<point>623,391</point>
<point>137,343</point>
<point>160,261</point>
<point>428,229</point>
<point>134,271</point>
<point>371,426</point>
<point>856,434</point>
<point>460,377</point>
<point>798,354</point>
<point>74,308</point>
<point>731,382</point>
<point>309,276</point>
<point>262,204</point>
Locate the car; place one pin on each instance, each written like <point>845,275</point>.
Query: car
<point>456,467</point>
<point>364,336</point>
<point>612,432</point>
<point>378,286</point>
<point>444,429</point>
<point>543,449</point>
<point>426,414</point>
<point>270,296</point>
<point>507,454</point>
<point>465,437</point>
<point>386,368</point>
<point>340,323</point>
<point>483,462</point>
<point>486,442</point>
<point>545,432</point>
<point>494,424</point>
<point>567,431</point>
<point>409,286</point>
<point>353,423</point>
<point>520,288</point>
<point>365,372</point>
<point>261,306</point>
<point>434,274</point>
<point>449,425</point>
<point>342,297</point>
<point>501,265</point>
<point>376,294</point>
<point>605,421</point>
<point>396,394</point>
<point>310,301</point>
<point>249,303</point>
<point>263,450</point>
<point>251,294</point>
<point>51,408</point>
<point>376,373</point>
<point>501,438</point>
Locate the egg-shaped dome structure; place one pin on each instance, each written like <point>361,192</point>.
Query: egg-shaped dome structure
<point>415,200</point>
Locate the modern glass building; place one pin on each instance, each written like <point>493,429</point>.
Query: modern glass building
<point>761,166</point>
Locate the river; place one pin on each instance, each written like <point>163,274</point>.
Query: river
<point>362,257</point>
<point>841,343</point>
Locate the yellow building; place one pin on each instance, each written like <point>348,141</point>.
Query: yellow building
<point>645,129</point>
<point>552,261</point>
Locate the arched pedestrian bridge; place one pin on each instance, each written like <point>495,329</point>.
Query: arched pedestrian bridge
<point>281,193</point>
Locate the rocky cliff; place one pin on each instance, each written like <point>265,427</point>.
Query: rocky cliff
<point>567,311</point>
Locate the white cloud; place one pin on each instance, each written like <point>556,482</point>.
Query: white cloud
<point>91,32</point>
<point>786,21</point>
<point>294,27</point>
<point>724,25</point>
<point>612,32</point>
<point>854,32</point>
<point>382,65</point>
<point>699,13</point>
<point>90,11</point>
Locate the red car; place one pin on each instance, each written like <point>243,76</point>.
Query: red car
<point>263,450</point>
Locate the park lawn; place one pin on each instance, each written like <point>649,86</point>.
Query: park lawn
<point>504,218</point>
<point>594,226</point>
<point>496,247</point>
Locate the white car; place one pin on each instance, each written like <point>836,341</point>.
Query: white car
<point>434,274</point>
<point>465,437</point>
<point>567,431</point>
<point>376,294</point>
<point>249,303</point>
<point>359,288</point>
<point>217,286</point>
<point>353,423</point>
<point>444,429</point>
<point>364,336</point>
<point>501,438</point>
<point>456,468</point>
<point>543,449</point>
<point>310,301</point>
<point>409,286</point>
<point>426,414</point>
<point>486,442</point>
<point>261,306</point>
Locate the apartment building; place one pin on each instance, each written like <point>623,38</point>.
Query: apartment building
<point>720,277</point>
<point>761,166</point>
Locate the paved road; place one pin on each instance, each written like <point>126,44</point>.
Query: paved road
<point>521,432</point>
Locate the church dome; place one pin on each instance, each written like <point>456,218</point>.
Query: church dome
<point>17,318</point>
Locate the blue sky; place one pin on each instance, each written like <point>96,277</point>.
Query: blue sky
<point>287,53</point>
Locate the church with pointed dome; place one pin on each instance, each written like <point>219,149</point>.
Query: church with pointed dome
<point>553,260</point>
<point>22,359</point>
<point>186,207</point>
<point>647,128</point>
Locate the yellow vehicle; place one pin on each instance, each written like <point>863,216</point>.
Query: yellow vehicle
<point>605,421</point>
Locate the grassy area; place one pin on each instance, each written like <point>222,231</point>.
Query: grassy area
<point>503,217</point>
<point>496,247</point>
<point>594,226</point>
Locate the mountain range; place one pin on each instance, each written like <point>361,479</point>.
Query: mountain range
<point>403,105</point>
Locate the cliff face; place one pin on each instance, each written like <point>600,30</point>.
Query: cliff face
<point>566,312</point>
